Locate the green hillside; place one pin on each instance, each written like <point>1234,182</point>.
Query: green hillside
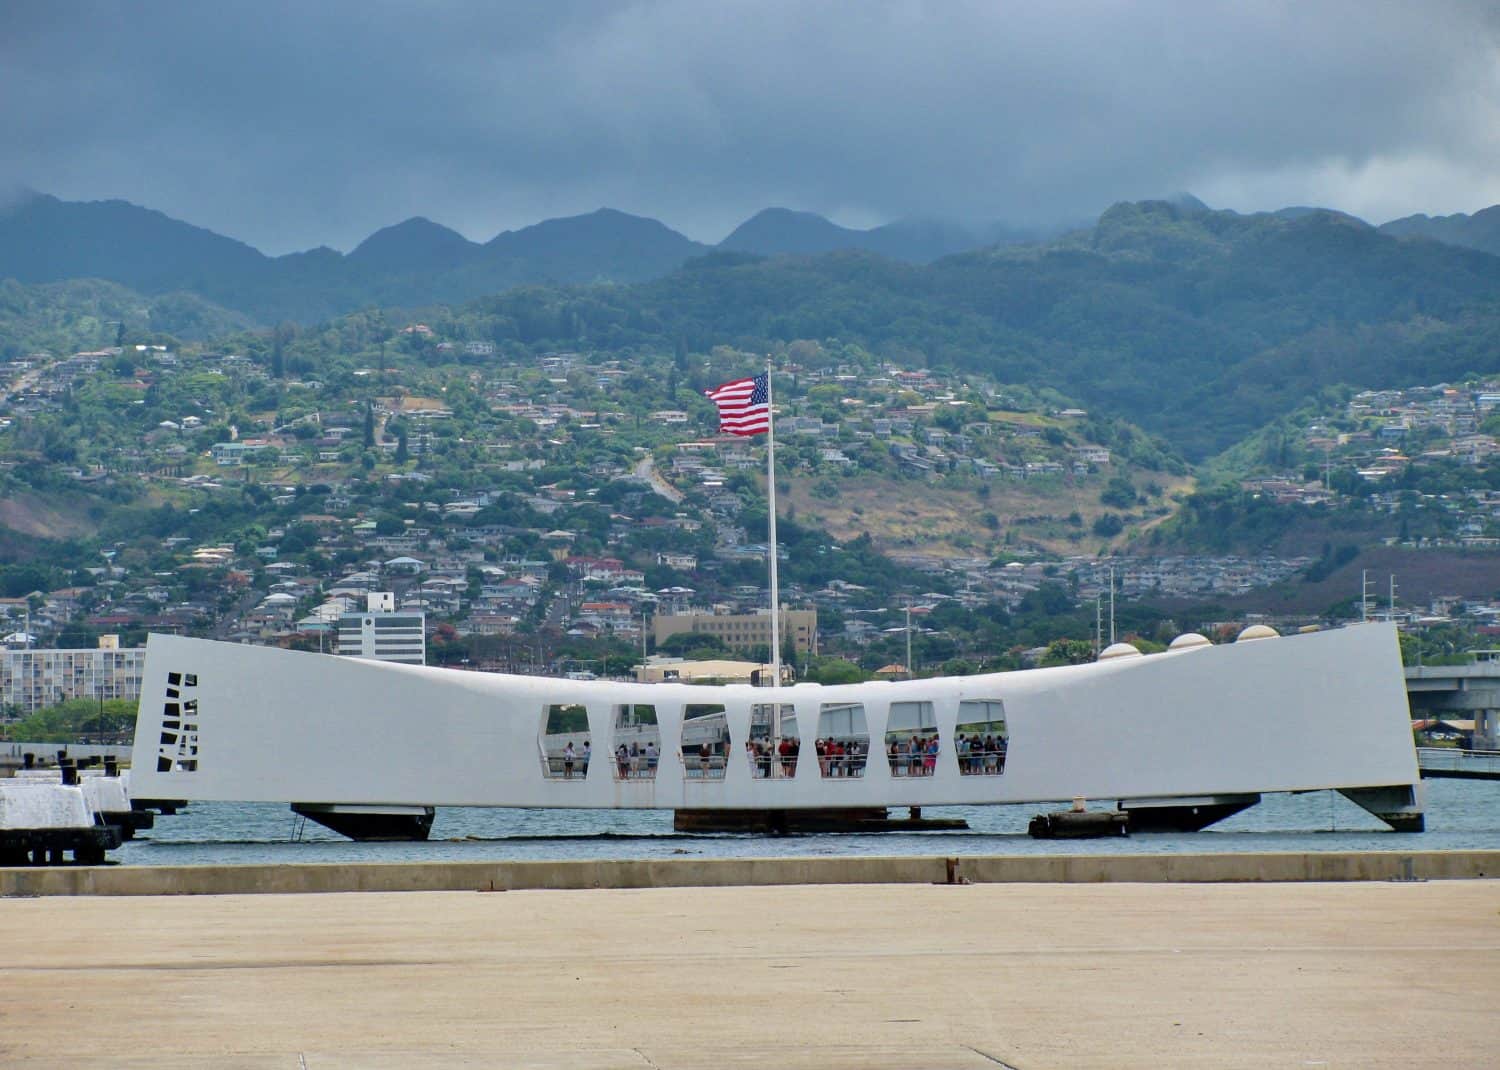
<point>1478,231</point>
<point>1200,326</point>
<point>87,313</point>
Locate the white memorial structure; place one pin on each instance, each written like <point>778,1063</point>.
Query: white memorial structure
<point>1178,739</point>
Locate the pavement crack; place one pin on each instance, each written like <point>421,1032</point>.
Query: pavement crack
<point>991,1058</point>
<point>646,1058</point>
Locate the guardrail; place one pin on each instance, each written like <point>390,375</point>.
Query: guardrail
<point>842,767</point>
<point>699,768</point>
<point>1458,763</point>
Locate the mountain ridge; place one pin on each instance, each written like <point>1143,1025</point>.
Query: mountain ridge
<point>1198,325</point>
<point>416,242</point>
<point>44,239</point>
<point>1478,231</point>
<point>788,232</point>
<point>1201,326</point>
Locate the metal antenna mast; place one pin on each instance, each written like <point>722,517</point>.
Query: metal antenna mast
<point>1098,624</point>
<point>1111,605</point>
<point>909,674</point>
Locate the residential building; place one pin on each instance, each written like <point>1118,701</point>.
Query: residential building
<point>34,679</point>
<point>383,633</point>
<point>743,631</point>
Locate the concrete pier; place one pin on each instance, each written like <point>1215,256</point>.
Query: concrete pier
<point>717,872</point>
<point>1029,976</point>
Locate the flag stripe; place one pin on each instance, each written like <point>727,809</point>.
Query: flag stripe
<point>744,405</point>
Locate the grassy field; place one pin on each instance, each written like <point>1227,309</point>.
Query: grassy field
<point>53,516</point>
<point>914,516</point>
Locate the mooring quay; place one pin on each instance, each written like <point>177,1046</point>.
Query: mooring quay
<point>1277,867</point>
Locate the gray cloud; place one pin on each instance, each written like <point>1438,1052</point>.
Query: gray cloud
<point>293,124</point>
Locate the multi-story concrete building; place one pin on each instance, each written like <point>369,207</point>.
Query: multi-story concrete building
<point>383,633</point>
<point>743,631</point>
<point>31,680</point>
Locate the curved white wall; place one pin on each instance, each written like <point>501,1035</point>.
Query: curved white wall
<point>1297,713</point>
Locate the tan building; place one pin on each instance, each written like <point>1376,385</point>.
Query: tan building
<point>678,671</point>
<point>743,631</point>
<point>34,679</point>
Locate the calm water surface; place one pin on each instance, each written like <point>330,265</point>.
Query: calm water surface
<point>1461,815</point>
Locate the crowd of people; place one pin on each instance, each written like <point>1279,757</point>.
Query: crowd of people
<point>842,757</point>
<point>637,762</point>
<point>766,759</point>
<point>912,756</point>
<point>980,757</point>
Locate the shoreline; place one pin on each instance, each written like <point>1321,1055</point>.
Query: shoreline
<point>330,877</point>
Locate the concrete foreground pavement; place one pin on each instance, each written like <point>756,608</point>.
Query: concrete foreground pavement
<point>914,977</point>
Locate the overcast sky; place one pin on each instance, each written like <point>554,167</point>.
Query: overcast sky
<point>295,124</point>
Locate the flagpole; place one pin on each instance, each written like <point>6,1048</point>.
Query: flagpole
<point>775,590</point>
<point>776,593</point>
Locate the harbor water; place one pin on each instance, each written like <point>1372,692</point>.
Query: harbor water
<point>1461,815</point>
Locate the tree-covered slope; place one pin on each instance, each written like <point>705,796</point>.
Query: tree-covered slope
<point>43,239</point>
<point>602,245</point>
<point>1200,325</point>
<point>416,244</point>
<point>781,231</point>
<point>1478,231</point>
<point>64,317</point>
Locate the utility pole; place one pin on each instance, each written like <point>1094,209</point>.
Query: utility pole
<point>1364,595</point>
<point>1393,597</point>
<point>1111,605</point>
<point>910,675</point>
<point>1098,624</point>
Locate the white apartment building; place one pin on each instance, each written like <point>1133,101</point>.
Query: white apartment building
<point>383,633</point>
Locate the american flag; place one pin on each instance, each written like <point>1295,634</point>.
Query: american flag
<point>744,405</point>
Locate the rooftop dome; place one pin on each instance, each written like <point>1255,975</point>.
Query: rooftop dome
<point>1257,631</point>
<point>1119,650</point>
<point>1189,641</point>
